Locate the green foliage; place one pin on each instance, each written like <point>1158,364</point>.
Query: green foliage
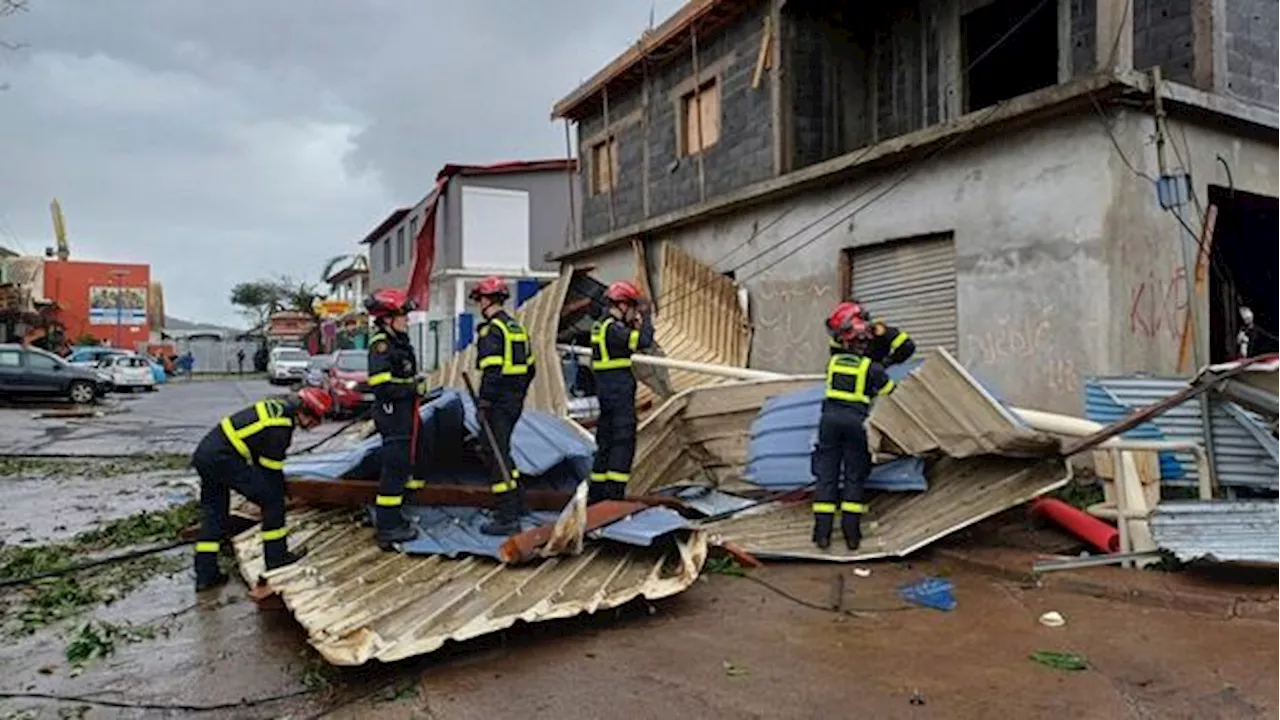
<point>96,640</point>
<point>1060,660</point>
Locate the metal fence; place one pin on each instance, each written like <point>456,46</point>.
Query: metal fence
<point>213,355</point>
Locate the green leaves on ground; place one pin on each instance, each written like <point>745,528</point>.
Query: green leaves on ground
<point>1060,660</point>
<point>96,640</point>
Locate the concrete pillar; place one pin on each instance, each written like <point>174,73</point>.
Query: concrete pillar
<point>1065,70</point>
<point>951,74</point>
<point>1114,36</point>
<point>1209,29</point>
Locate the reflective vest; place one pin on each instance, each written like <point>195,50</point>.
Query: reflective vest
<point>600,357</point>
<point>517,355</point>
<point>847,378</point>
<point>266,414</point>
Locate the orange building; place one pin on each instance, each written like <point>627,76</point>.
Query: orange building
<point>106,300</point>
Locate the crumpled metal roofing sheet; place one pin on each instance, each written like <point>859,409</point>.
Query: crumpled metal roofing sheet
<point>358,603</point>
<point>1245,452</point>
<point>454,531</point>
<point>1223,530</point>
<point>707,500</point>
<point>540,316</point>
<point>699,318</point>
<point>941,407</point>
<point>541,441</point>
<point>643,527</point>
<point>1101,406</point>
<point>961,493</point>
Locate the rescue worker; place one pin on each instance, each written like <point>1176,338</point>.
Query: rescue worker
<point>888,344</point>
<point>393,377</point>
<point>842,461</point>
<point>614,337</point>
<point>504,356</point>
<point>245,453</point>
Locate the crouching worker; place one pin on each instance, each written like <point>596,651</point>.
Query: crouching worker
<point>245,453</point>
<point>842,460</point>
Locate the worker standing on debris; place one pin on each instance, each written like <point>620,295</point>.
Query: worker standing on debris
<point>393,377</point>
<point>504,356</point>
<point>842,461</point>
<point>614,337</point>
<point>245,453</point>
<point>888,345</point>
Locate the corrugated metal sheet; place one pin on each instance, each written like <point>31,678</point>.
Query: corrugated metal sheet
<point>1227,531</point>
<point>940,407</point>
<point>455,531</point>
<point>699,318</point>
<point>709,501</point>
<point>961,493</point>
<point>642,528</point>
<point>1240,459</point>
<point>1103,407</point>
<point>541,317</point>
<point>911,284</point>
<point>358,603</point>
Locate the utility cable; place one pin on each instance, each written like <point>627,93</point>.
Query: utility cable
<point>851,611</point>
<point>89,564</point>
<point>131,705</point>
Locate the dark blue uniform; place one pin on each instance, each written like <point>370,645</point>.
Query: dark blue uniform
<point>245,453</point>
<point>504,356</point>
<point>888,346</point>
<point>612,343</point>
<point>842,461</point>
<point>393,367</point>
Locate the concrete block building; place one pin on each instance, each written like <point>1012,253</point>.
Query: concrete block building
<point>1027,183</point>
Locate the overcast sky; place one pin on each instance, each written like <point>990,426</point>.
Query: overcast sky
<point>225,141</point>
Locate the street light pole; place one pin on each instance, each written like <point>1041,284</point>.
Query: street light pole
<point>119,277</point>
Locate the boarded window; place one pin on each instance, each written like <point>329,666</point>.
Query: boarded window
<point>909,283</point>
<point>399,246</point>
<point>700,113</point>
<point>386,254</point>
<point>604,166</point>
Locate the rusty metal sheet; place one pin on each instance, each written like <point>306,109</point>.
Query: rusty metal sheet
<point>541,317</point>
<point>940,407</point>
<point>961,493</point>
<point>358,603</point>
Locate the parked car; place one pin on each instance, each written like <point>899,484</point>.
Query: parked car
<point>287,365</point>
<point>348,382</point>
<point>128,372</point>
<point>30,372</point>
<point>317,374</point>
<point>91,356</point>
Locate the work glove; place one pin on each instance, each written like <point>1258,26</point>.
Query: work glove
<point>422,385</point>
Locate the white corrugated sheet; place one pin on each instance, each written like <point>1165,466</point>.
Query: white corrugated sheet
<point>1226,531</point>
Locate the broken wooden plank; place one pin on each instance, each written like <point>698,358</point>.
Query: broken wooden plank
<point>524,547</point>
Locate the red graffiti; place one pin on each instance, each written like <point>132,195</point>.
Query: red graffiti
<point>1157,306</point>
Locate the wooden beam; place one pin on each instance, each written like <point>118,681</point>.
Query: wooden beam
<point>762,59</point>
<point>1113,39</point>
<point>358,493</point>
<point>524,546</point>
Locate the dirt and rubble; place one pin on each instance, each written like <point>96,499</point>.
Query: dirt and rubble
<point>131,640</point>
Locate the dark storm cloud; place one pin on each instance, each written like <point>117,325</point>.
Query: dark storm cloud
<point>222,141</point>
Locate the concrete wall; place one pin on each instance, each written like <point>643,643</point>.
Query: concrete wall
<point>1163,35</point>
<point>1250,46</point>
<point>550,222</point>
<point>646,134</point>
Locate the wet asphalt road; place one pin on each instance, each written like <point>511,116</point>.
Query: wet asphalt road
<point>170,420</point>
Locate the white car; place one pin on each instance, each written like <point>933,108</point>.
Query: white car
<point>128,372</point>
<point>286,365</point>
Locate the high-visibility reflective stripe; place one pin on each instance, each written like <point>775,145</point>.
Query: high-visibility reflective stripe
<point>267,417</point>
<point>277,534</point>
<point>599,477</point>
<point>833,343</point>
<point>617,476</point>
<point>490,361</point>
<point>414,484</point>
<point>270,464</point>
<point>898,341</point>
<point>853,507</point>
<point>840,366</point>
<point>510,336</point>
<point>377,337</point>
<point>503,487</point>
<point>208,546</point>
<point>824,508</point>
<point>389,500</point>
<point>383,378</point>
<point>633,340</point>
<point>600,358</point>
<point>888,388</point>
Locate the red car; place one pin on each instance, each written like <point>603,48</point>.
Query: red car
<point>348,376</point>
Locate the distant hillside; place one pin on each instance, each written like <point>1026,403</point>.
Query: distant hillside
<point>174,323</point>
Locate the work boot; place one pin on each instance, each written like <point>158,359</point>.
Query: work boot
<point>597,491</point>
<point>387,538</point>
<point>506,516</point>
<point>282,559</point>
<point>209,581</point>
<point>822,523</point>
<point>851,526</point>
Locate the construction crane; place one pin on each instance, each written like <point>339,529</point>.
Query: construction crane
<point>59,232</point>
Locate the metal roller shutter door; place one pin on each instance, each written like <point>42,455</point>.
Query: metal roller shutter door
<point>911,284</point>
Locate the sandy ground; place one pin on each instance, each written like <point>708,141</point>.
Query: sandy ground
<point>728,648</point>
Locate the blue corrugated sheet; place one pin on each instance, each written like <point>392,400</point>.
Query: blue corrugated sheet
<point>454,531</point>
<point>1102,407</point>
<point>642,528</point>
<point>708,501</point>
<point>785,431</point>
<point>1245,453</point>
<point>543,446</point>
<point>1227,531</point>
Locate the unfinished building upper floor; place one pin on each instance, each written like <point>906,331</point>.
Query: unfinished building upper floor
<point>730,94</point>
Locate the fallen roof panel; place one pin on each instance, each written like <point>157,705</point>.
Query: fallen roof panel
<point>358,603</point>
<point>455,531</point>
<point>961,493</point>
<point>1222,530</point>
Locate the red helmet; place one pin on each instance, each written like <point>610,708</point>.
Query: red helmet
<point>860,310</point>
<point>315,402</point>
<point>492,286</point>
<point>386,303</point>
<point>622,291</point>
<point>843,317</point>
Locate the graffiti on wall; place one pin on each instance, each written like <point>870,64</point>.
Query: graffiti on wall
<point>1027,342</point>
<point>1158,304</point>
<point>788,324</point>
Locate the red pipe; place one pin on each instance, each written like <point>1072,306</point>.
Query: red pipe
<point>1079,523</point>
